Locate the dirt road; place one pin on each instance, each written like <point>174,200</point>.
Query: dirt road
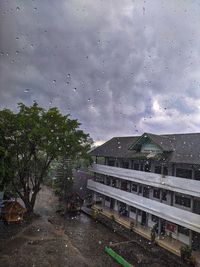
<point>54,241</point>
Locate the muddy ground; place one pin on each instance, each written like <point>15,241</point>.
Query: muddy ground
<point>50,240</point>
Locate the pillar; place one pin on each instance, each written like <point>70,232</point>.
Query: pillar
<point>190,238</point>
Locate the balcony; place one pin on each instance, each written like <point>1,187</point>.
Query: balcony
<point>172,183</point>
<point>181,217</point>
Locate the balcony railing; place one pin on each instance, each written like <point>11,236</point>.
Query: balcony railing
<point>181,217</point>
<point>172,183</point>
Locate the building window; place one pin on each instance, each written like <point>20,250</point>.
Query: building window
<point>141,167</point>
<point>183,230</point>
<point>140,189</point>
<point>108,181</point>
<point>183,201</point>
<point>156,193</point>
<point>154,218</point>
<point>134,187</point>
<point>139,212</point>
<point>111,163</point>
<point>107,199</point>
<point>125,164</point>
<point>136,166</point>
<point>133,209</point>
<point>184,173</point>
<point>158,169</point>
<point>164,195</point>
<point>197,174</point>
<point>165,170</point>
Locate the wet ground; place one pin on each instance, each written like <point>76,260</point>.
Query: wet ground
<point>50,240</point>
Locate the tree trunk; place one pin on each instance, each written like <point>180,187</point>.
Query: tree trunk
<point>29,204</point>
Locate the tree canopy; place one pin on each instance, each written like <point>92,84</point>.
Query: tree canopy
<point>34,138</point>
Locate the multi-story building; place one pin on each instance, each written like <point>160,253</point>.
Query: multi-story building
<point>153,180</point>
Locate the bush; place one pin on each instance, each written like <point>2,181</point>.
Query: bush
<point>186,252</point>
<point>112,217</point>
<point>153,235</point>
<point>186,256</point>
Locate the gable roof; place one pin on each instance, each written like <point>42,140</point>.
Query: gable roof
<point>177,148</point>
<point>163,142</point>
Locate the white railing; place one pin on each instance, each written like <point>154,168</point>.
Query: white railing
<point>173,214</point>
<point>172,183</point>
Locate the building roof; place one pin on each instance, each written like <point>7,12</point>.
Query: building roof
<point>177,148</point>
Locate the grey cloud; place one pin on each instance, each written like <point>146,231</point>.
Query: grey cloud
<point>121,57</point>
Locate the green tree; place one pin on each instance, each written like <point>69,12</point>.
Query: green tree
<point>35,138</point>
<point>5,163</point>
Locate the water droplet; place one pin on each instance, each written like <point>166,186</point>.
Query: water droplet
<point>18,8</point>
<point>17,52</point>
<point>26,90</point>
<point>75,89</point>
<point>35,8</point>
<point>54,81</point>
<point>17,38</point>
<point>89,99</point>
<point>98,90</point>
<point>31,45</point>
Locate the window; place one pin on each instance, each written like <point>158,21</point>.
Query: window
<point>158,169</point>
<point>140,189</point>
<point>133,209</point>
<point>108,181</point>
<point>197,174</point>
<point>107,198</point>
<point>184,173</point>
<point>165,170</point>
<point>139,212</point>
<point>164,195</point>
<point>136,166</point>
<point>154,218</point>
<point>183,201</point>
<point>111,163</point>
<point>156,193</point>
<point>183,230</point>
<point>125,164</point>
<point>134,187</point>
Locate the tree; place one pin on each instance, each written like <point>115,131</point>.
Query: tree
<point>35,138</point>
<point>63,183</point>
<point>5,160</point>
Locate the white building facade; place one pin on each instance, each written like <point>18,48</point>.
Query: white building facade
<point>154,180</point>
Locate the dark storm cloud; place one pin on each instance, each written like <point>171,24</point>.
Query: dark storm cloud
<point>120,67</point>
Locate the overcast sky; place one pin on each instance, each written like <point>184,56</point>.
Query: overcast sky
<point>119,67</point>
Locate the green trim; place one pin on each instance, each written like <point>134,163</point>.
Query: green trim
<point>117,257</point>
<point>139,140</point>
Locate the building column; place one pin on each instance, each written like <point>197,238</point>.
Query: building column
<point>190,238</point>
<point>172,198</point>
<point>159,226</point>
<point>136,217</point>
<point>103,201</point>
<point>192,204</point>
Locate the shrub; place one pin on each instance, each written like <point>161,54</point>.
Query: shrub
<point>153,234</point>
<point>186,252</point>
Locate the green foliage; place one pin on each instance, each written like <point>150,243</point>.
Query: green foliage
<point>33,139</point>
<point>63,183</point>
<point>153,234</point>
<point>186,253</point>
